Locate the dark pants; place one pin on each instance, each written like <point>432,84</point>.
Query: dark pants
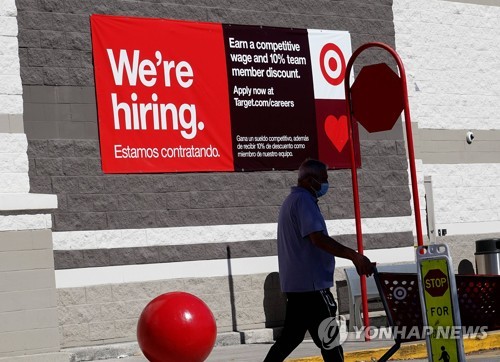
<point>305,312</point>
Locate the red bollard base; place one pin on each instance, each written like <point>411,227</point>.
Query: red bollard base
<point>175,327</point>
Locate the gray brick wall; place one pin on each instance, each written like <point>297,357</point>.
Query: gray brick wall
<point>28,309</point>
<point>61,123</point>
<point>109,313</point>
<point>90,200</point>
<point>69,259</point>
<point>59,112</point>
<point>55,46</point>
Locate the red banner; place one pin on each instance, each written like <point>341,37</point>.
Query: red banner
<point>178,96</point>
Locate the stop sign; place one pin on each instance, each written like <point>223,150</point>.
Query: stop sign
<point>436,282</point>
<point>377,97</point>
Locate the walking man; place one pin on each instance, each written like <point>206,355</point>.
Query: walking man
<point>306,256</point>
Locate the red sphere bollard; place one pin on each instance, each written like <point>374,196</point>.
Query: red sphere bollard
<point>176,327</point>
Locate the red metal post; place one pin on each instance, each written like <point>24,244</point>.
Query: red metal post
<point>355,191</point>
<point>354,176</point>
<point>357,214</point>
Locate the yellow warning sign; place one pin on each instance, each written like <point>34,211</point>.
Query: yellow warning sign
<point>445,336</point>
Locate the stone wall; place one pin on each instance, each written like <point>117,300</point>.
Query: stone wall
<point>109,313</point>
<point>451,54</point>
<point>141,231</point>
<point>28,313</point>
<point>28,307</point>
<point>120,240</point>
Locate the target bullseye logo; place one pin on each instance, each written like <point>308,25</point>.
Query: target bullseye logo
<point>399,293</point>
<point>332,63</point>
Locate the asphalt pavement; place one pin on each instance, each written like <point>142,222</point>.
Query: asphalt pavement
<point>308,352</point>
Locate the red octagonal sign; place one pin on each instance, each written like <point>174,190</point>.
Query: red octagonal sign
<point>377,97</point>
<point>435,282</point>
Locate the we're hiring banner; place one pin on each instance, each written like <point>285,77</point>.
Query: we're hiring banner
<point>180,96</point>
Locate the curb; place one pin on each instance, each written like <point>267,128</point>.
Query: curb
<point>409,351</point>
<point>40,357</point>
<point>128,349</point>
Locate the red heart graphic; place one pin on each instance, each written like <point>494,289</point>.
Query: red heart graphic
<point>336,130</point>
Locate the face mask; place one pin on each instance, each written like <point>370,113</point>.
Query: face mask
<point>323,189</point>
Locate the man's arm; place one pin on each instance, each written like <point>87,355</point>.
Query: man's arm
<point>363,265</point>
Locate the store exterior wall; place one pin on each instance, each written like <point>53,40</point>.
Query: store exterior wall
<point>28,304</point>
<point>121,240</point>
<point>451,54</point>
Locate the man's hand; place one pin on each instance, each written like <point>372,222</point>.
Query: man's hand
<point>363,265</point>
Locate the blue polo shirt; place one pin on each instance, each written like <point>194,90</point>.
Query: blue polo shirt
<point>303,267</point>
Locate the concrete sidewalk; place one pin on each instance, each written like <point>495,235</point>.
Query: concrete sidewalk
<point>354,350</point>
<point>307,351</point>
<point>257,352</point>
